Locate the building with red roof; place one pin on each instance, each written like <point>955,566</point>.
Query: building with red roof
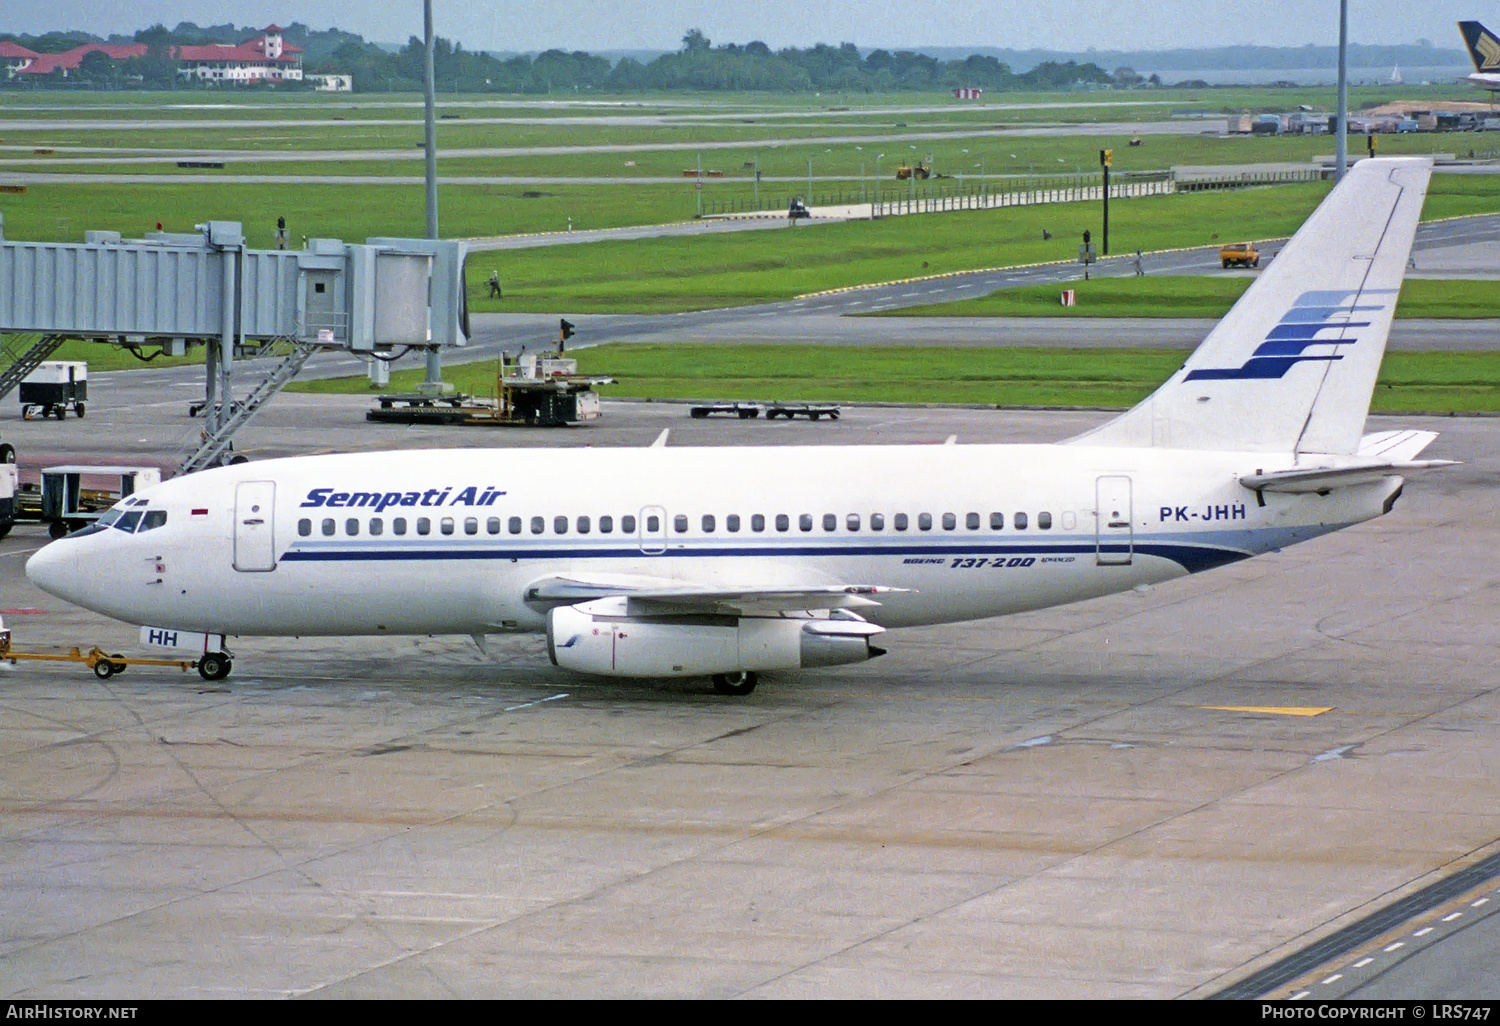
<point>13,56</point>
<point>265,58</point>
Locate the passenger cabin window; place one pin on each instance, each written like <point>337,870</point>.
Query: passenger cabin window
<point>783,522</point>
<point>757,522</point>
<point>679,524</point>
<point>471,525</point>
<point>852,522</point>
<point>1020,521</point>
<point>877,521</point>
<point>329,528</point>
<point>653,523</point>
<point>1044,521</point>
<point>900,521</point>
<point>627,524</point>
<point>584,525</point>
<point>492,525</point>
<point>805,522</point>
<point>997,521</point>
<point>377,525</point>
<point>424,525</point>
<point>559,525</point>
<point>971,521</point>
<point>398,525</point>
<point>351,527</point>
<point>513,525</point>
<point>924,521</point>
<point>732,522</point>
<point>304,527</point>
<point>708,523</point>
<point>538,525</point>
<point>606,525</point>
<point>949,521</point>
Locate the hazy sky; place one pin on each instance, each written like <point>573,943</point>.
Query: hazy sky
<point>659,24</point>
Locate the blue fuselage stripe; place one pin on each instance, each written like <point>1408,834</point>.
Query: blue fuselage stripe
<point>1192,557</point>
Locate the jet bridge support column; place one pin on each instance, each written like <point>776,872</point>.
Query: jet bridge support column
<point>229,239</point>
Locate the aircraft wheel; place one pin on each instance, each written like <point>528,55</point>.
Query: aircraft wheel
<point>57,529</point>
<point>104,669</point>
<point>214,666</point>
<point>736,684</point>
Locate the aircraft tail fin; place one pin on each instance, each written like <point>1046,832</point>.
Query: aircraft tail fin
<point>1292,366</point>
<point>1484,48</point>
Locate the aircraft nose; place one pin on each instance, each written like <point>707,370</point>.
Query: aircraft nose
<point>54,568</point>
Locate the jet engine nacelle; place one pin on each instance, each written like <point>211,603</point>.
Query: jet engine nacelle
<point>595,637</point>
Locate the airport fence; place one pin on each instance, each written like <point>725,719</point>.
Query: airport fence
<point>948,194</point>
<point>1210,181</point>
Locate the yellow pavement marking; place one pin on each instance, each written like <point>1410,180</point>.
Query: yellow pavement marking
<point>1274,710</point>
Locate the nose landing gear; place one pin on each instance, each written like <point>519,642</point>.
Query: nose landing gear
<point>214,666</point>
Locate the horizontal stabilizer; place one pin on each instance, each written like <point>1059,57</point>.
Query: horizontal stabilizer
<point>1395,445</point>
<point>1323,479</point>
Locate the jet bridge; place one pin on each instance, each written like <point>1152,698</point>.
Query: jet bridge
<point>169,291</point>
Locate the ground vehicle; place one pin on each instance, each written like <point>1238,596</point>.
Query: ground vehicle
<point>54,388</point>
<point>1240,254</point>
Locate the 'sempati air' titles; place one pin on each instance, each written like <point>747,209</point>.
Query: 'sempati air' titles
<point>472,496</point>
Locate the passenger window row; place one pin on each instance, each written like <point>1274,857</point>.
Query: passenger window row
<point>733,523</point>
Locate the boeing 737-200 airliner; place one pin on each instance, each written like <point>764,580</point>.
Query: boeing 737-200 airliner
<point>727,562</point>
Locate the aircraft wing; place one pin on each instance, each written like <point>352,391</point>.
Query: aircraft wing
<point>645,596</point>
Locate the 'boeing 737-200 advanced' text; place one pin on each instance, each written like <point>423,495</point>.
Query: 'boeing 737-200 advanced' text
<point>727,562</point>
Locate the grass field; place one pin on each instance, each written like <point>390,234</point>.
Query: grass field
<point>845,138</point>
<point>671,274</point>
<point>1409,382</point>
<point>842,141</point>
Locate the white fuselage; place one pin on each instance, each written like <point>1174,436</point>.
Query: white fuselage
<point>448,542</point>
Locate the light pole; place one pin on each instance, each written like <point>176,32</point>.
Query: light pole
<point>1341,145</point>
<point>877,179</point>
<point>433,380</point>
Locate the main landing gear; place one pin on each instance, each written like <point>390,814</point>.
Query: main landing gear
<point>737,684</point>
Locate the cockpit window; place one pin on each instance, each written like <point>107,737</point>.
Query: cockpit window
<point>153,519</point>
<point>109,516</point>
<point>128,521</point>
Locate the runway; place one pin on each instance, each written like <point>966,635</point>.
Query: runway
<point>1151,795</point>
